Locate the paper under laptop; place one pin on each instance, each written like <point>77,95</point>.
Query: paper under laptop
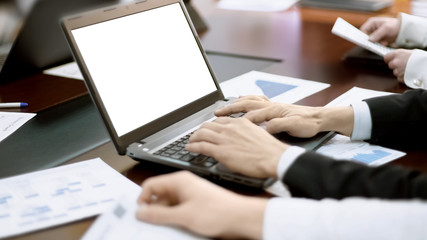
<point>151,81</point>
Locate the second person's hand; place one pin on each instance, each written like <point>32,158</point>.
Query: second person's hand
<point>397,61</point>
<point>382,29</point>
<point>296,120</point>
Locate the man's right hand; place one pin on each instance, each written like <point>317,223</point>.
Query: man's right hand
<point>382,29</point>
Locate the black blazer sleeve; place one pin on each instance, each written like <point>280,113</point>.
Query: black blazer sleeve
<point>398,121</point>
<point>316,176</point>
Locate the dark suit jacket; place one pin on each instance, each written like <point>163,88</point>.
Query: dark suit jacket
<point>398,120</point>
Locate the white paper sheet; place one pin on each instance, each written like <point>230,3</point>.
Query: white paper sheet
<point>120,223</point>
<point>341,147</point>
<point>68,70</point>
<point>355,95</point>
<point>256,5</point>
<point>59,195</point>
<point>12,121</point>
<point>350,33</point>
<point>277,88</point>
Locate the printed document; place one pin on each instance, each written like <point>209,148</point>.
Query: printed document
<point>355,95</point>
<point>120,223</point>
<point>341,147</point>
<point>12,121</point>
<point>59,195</point>
<point>276,87</point>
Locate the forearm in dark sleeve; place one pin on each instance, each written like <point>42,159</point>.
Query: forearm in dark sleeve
<point>316,176</point>
<point>399,121</point>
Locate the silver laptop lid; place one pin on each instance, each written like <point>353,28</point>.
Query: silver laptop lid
<point>144,66</point>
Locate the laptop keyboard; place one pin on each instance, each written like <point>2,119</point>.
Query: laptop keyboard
<point>176,150</point>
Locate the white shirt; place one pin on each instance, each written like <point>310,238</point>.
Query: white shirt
<point>351,218</point>
<point>413,34</point>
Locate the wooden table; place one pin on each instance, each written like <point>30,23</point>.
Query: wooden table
<point>299,44</point>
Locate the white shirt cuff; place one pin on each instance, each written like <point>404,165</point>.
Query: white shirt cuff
<point>288,157</point>
<point>412,32</point>
<point>362,121</point>
<point>415,72</point>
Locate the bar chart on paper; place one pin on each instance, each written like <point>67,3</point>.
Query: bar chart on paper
<point>341,147</point>
<point>369,158</point>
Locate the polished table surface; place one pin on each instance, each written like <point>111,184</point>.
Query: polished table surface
<point>295,43</point>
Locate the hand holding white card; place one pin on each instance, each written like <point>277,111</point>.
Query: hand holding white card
<point>349,32</point>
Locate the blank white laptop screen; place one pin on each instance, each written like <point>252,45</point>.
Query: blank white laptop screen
<point>144,65</point>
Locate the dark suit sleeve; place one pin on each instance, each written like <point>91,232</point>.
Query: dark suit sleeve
<point>316,176</point>
<point>399,121</point>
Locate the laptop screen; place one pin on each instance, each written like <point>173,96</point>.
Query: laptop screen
<point>144,65</point>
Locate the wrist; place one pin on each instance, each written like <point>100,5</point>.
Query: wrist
<point>272,166</point>
<point>338,119</point>
<point>248,221</point>
<point>287,159</point>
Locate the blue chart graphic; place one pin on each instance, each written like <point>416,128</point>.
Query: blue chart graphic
<point>272,89</point>
<point>370,157</point>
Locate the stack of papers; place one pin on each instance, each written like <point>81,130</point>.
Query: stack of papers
<point>256,5</point>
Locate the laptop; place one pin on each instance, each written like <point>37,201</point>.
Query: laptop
<point>40,43</point>
<point>151,81</point>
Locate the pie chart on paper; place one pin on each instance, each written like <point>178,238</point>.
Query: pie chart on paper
<point>273,89</point>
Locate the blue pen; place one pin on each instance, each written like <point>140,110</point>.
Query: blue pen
<point>13,105</point>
